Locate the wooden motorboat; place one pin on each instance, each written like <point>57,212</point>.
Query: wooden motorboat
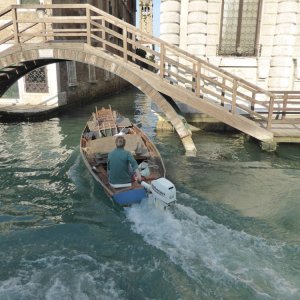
<point>98,140</point>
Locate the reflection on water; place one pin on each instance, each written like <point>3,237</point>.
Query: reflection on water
<point>234,233</point>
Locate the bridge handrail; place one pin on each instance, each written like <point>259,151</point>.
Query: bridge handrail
<point>178,50</point>
<point>193,59</point>
<point>5,11</point>
<point>169,62</point>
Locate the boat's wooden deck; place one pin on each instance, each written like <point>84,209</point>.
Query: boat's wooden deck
<point>98,140</point>
<point>102,146</point>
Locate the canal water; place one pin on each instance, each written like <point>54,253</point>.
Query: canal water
<point>234,233</point>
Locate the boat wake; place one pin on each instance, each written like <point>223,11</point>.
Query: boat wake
<point>76,276</point>
<point>208,251</point>
<point>80,177</point>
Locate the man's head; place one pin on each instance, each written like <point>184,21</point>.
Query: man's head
<point>120,142</point>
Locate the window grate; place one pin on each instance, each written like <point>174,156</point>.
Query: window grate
<point>29,1</point>
<point>36,81</point>
<point>239,31</point>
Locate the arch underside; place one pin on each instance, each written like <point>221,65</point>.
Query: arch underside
<point>104,60</point>
<point>12,75</point>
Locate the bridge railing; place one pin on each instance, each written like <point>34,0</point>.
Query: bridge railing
<point>87,24</point>
<point>287,106</point>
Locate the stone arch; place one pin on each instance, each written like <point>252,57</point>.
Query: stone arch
<point>107,61</point>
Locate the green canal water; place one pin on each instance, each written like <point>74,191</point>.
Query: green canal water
<point>234,233</point>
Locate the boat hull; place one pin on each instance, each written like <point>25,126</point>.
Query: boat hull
<point>130,197</point>
<point>98,140</point>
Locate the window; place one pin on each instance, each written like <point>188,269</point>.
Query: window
<point>29,1</point>
<point>36,81</point>
<point>32,2</point>
<point>239,27</point>
<point>110,8</point>
<point>72,76</point>
<point>110,11</point>
<point>92,73</point>
<point>145,10</point>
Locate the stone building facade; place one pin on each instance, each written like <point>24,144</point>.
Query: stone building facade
<point>146,16</point>
<point>69,82</point>
<point>258,40</point>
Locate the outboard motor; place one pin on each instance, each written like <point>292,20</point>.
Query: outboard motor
<point>162,191</point>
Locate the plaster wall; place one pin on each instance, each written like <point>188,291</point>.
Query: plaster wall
<point>277,63</point>
<point>50,98</point>
<point>86,90</point>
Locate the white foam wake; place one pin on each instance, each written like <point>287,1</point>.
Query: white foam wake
<point>204,248</point>
<point>79,277</point>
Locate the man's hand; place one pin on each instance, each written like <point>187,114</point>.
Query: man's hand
<point>138,176</point>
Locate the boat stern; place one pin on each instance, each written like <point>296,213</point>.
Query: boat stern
<point>130,197</point>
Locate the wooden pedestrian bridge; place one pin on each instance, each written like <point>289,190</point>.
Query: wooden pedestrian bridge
<point>35,35</point>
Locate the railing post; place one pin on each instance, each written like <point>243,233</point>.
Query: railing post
<point>223,91</point>
<point>234,92</point>
<point>194,75</point>
<point>41,13</point>
<point>252,104</point>
<point>88,25</point>
<point>15,25</point>
<point>102,32</point>
<point>270,113</point>
<point>44,31</point>
<point>162,60</point>
<point>198,78</point>
<point>125,43</point>
<point>284,105</point>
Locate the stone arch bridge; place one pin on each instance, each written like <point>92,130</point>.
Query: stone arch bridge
<point>35,35</point>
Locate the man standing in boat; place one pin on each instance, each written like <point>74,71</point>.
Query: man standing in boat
<point>120,165</point>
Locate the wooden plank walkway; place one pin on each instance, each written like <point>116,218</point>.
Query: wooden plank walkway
<point>170,70</point>
<point>27,112</point>
<point>285,133</point>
